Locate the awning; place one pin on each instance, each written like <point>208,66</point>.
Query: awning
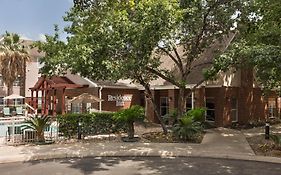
<point>13,96</point>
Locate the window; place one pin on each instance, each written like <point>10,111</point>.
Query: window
<point>17,82</point>
<point>271,107</point>
<point>234,110</point>
<point>1,81</point>
<point>210,105</point>
<point>188,103</point>
<point>76,108</point>
<point>1,101</point>
<point>164,106</point>
<point>18,101</point>
<point>39,101</point>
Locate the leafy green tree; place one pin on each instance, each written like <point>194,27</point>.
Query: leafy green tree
<point>13,59</point>
<point>126,39</point>
<point>258,46</point>
<point>112,40</point>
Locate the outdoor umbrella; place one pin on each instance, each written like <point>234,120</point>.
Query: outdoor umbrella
<point>85,98</point>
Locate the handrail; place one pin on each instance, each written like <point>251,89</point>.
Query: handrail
<point>34,110</point>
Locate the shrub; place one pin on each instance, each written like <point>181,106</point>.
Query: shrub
<point>171,117</point>
<point>130,116</point>
<point>91,124</point>
<point>277,140</point>
<point>190,125</point>
<point>198,114</point>
<point>38,124</point>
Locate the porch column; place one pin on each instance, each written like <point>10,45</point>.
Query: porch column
<point>36,100</point>
<point>55,102</point>
<point>43,102</point>
<point>192,99</point>
<point>47,102</point>
<point>32,100</point>
<point>63,101</point>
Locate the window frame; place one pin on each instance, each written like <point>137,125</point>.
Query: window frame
<point>166,106</point>
<point>234,109</point>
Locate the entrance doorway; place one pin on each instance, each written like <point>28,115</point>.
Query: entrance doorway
<point>210,106</point>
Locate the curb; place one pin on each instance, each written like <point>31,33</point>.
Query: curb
<point>16,159</point>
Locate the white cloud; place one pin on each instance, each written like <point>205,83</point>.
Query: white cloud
<point>42,37</point>
<point>24,37</point>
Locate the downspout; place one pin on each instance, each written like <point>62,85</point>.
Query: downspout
<point>100,96</point>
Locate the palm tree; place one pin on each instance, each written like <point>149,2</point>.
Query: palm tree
<point>38,124</point>
<point>13,58</point>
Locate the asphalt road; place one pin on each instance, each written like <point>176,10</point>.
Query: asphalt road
<point>140,166</point>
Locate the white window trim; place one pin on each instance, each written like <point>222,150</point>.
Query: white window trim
<point>236,109</point>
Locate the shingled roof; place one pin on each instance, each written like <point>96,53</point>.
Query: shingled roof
<point>205,61</point>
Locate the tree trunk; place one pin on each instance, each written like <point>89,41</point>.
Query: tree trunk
<point>131,130</point>
<point>22,80</point>
<point>40,137</point>
<point>10,89</point>
<point>150,96</point>
<point>181,102</point>
<point>152,100</point>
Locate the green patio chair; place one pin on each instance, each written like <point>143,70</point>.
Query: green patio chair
<point>6,111</point>
<point>19,110</point>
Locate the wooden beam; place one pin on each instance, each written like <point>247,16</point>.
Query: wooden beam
<point>63,102</point>
<point>55,103</point>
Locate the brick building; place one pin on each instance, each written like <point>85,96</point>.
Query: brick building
<point>233,97</point>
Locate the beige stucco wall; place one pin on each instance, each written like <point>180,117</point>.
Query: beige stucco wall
<point>227,79</point>
<point>32,75</point>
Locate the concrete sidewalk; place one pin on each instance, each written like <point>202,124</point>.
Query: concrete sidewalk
<point>217,143</point>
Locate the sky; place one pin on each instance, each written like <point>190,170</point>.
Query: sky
<point>32,19</point>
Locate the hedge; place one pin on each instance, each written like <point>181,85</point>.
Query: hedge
<point>91,124</point>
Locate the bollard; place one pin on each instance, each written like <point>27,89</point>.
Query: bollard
<point>267,130</point>
<point>79,131</point>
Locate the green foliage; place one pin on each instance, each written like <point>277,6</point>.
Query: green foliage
<point>13,58</point>
<point>132,114</point>
<point>190,125</point>
<point>91,124</point>
<point>38,124</point>
<point>197,114</point>
<point>171,117</point>
<point>276,139</point>
<point>258,46</point>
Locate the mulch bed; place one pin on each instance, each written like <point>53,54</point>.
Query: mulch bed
<point>263,147</point>
<point>160,137</point>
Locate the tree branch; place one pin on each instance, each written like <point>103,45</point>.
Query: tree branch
<point>171,56</point>
<point>159,74</point>
<point>179,60</point>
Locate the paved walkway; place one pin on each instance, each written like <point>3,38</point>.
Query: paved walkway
<point>217,143</point>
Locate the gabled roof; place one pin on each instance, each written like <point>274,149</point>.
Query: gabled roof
<point>55,82</point>
<point>205,61</point>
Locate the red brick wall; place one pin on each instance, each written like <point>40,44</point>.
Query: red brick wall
<point>111,105</point>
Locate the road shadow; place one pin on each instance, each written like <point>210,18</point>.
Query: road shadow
<point>165,166</point>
